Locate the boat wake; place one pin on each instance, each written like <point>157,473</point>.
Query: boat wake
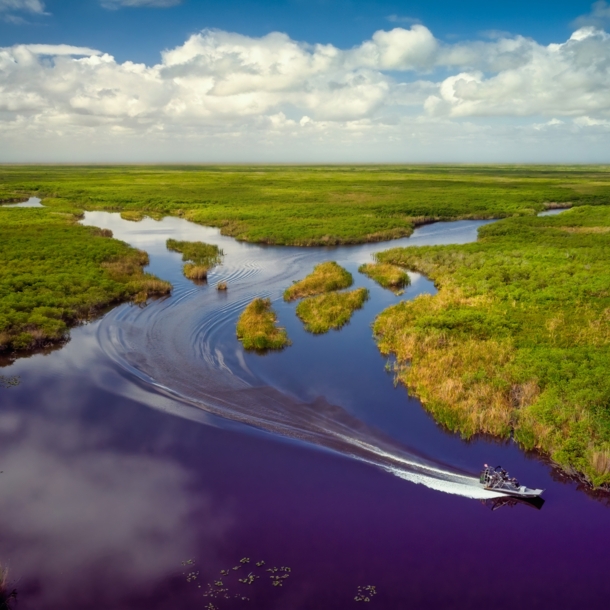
<point>147,343</point>
<point>184,346</point>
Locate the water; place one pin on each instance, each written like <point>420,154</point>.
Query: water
<point>553,212</point>
<point>32,202</point>
<point>151,439</point>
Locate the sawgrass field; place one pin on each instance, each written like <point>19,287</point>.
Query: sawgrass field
<point>322,205</point>
<point>517,341</point>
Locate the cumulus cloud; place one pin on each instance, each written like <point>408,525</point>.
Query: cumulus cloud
<point>569,79</point>
<point>12,10</point>
<point>225,86</point>
<point>599,16</point>
<point>116,4</point>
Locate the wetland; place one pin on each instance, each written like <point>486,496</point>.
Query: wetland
<point>164,452</point>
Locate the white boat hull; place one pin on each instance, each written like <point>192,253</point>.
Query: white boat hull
<point>521,492</point>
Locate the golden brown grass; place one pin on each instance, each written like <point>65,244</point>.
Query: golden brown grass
<point>195,272</point>
<point>132,215</point>
<point>201,256</point>
<point>257,327</point>
<point>325,277</point>
<point>517,340</point>
<point>466,384</point>
<point>601,461</point>
<point>333,310</point>
<point>386,275</point>
<point>129,270</point>
<point>586,229</point>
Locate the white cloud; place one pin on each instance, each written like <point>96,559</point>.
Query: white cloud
<point>599,16</point>
<point>116,4</point>
<point>11,10</point>
<point>567,79</point>
<point>27,6</point>
<point>273,91</point>
<point>115,523</point>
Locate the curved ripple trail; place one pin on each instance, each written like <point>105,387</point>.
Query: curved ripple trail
<point>184,346</point>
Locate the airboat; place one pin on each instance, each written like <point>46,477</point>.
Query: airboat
<point>497,479</point>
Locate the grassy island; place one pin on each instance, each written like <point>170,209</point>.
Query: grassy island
<point>325,277</point>
<point>308,206</point>
<point>387,276</point>
<point>201,257</point>
<point>56,273</point>
<point>334,310</point>
<point>257,327</point>
<point>517,340</point>
<point>132,215</point>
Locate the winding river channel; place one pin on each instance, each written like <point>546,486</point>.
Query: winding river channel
<point>152,463</point>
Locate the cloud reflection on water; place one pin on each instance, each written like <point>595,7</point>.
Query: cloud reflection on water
<point>83,520</point>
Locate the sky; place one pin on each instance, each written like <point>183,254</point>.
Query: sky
<point>312,81</point>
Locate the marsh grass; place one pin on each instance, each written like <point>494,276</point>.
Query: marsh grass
<point>333,310</point>
<point>201,256</point>
<point>257,327</point>
<point>325,277</point>
<point>387,276</point>
<point>517,340</point>
<point>310,206</point>
<point>56,273</point>
<point>132,215</point>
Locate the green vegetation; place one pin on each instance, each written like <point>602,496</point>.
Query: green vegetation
<point>517,340</point>
<point>325,277</point>
<point>334,310</point>
<point>202,257</point>
<point>311,205</point>
<point>387,276</point>
<point>257,328</point>
<point>132,215</point>
<point>9,382</point>
<point>56,273</point>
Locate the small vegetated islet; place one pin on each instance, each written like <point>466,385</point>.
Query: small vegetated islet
<point>257,327</point>
<point>325,277</point>
<point>387,276</point>
<point>330,311</point>
<point>132,215</point>
<point>201,257</point>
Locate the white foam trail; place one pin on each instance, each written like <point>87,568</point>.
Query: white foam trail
<point>178,346</point>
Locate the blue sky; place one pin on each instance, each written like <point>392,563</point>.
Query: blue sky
<point>304,80</point>
<point>140,33</point>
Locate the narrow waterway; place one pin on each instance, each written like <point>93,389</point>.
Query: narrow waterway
<point>152,439</point>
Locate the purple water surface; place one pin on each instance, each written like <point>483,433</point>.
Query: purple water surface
<point>117,465</point>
